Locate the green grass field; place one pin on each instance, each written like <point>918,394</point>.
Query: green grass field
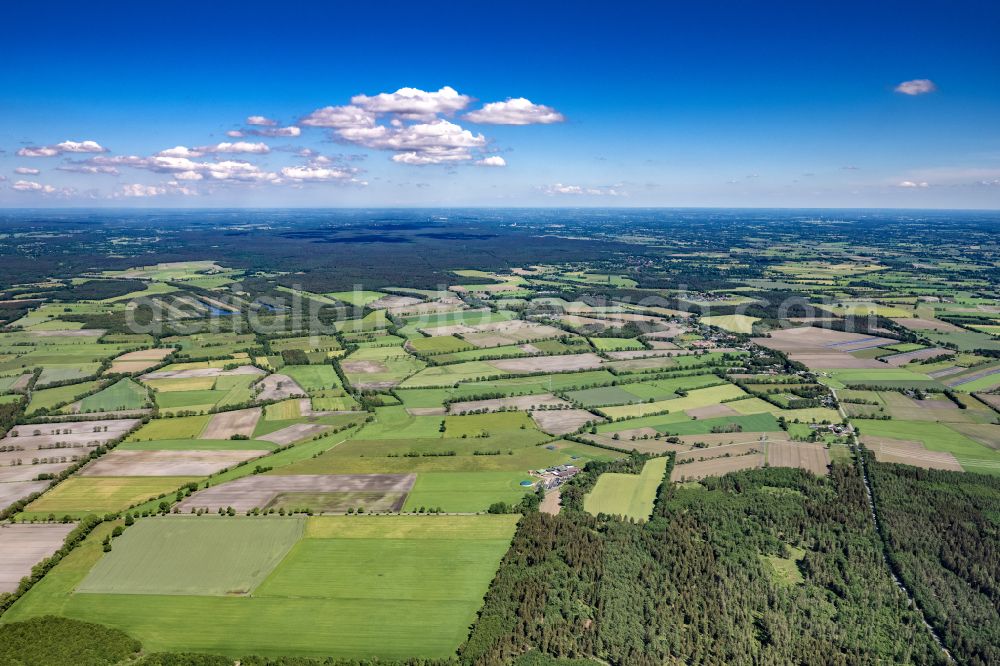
<point>465,491</point>
<point>357,456</point>
<point>124,394</point>
<point>441,344</point>
<point>475,425</point>
<point>49,398</point>
<point>190,555</point>
<point>657,389</point>
<point>629,495</point>
<point>182,427</point>
<point>390,587</point>
<point>695,398</point>
<point>313,377</point>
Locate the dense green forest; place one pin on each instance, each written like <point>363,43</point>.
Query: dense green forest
<point>772,566</point>
<point>942,532</point>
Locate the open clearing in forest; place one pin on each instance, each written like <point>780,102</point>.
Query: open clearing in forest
<point>206,555</point>
<point>333,594</point>
<point>809,456</point>
<point>23,545</point>
<point>259,491</point>
<point>169,462</point>
<point>629,495</point>
<point>716,467</point>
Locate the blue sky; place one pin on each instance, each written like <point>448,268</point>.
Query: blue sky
<point>846,104</point>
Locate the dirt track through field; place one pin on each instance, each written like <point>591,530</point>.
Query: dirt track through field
<point>550,504</point>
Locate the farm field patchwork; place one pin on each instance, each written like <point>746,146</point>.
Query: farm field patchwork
<point>335,484</point>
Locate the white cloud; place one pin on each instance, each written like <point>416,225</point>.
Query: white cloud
<point>414,129</point>
<point>80,147</point>
<point>180,151</point>
<point>339,117</point>
<point>261,120</point>
<point>32,186</point>
<point>27,171</point>
<point>227,170</point>
<point>38,151</point>
<point>516,111</point>
<point>258,148</point>
<point>235,134</point>
<point>291,130</point>
<point>428,157</point>
<point>912,184</point>
<point>233,170</point>
<point>576,190</point>
<point>63,147</point>
<point>88,169</point>
<point>436,142</point>
<point>916,87</point>
<point>188,175</point>
<point>316,174</point>
<point>413,103</point>
<point>140,190</point>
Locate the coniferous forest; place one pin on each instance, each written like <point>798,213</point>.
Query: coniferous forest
<point>942,531</point>
<point>773,566</point>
